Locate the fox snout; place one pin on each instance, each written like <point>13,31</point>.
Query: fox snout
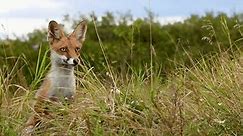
<point>72,61</point>
<point>64,60</point>
<point>69,60</point>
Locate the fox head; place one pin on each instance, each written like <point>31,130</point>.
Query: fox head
<point>65,49</point>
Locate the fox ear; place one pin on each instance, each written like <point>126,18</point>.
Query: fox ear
<point>54,31</point>
<point>80,31</point>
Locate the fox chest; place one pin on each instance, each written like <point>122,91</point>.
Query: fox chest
<point>62,85</point>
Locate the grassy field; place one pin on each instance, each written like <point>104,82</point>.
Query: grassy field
<point>203,99</point>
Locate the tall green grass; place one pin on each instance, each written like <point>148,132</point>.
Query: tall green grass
<point>203,99</point>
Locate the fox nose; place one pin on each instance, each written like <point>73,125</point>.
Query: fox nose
<point>75,62</point>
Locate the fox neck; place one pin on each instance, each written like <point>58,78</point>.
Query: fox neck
<point>60,71</point>
<point>62,80</point>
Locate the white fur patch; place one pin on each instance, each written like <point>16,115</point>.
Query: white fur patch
<point>63,57</point>
<point>62,82</point>
<point>56,56</point>
<point>70,61</point>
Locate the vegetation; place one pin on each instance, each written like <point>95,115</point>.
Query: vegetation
<point>184,78</point>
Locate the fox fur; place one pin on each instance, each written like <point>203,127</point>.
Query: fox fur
<point>60,81</point>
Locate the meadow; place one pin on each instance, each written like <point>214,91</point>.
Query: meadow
<point>142,78</point>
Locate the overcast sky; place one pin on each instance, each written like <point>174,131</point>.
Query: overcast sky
<point>22,16</point>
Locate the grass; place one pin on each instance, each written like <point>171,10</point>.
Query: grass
<point>204,99</point>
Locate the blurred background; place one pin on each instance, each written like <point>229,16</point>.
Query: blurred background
<point>178,29</point>
<point>35,14</point>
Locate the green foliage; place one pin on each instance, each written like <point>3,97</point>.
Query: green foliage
<point>194,87</point>
<point>127,42</point>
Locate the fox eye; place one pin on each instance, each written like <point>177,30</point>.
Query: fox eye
<point>77,49</point>
<point>63,49</point>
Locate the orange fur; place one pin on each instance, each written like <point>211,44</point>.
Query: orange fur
<point>60,81</point>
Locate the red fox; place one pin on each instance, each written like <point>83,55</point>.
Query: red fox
<point>60,81</point>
